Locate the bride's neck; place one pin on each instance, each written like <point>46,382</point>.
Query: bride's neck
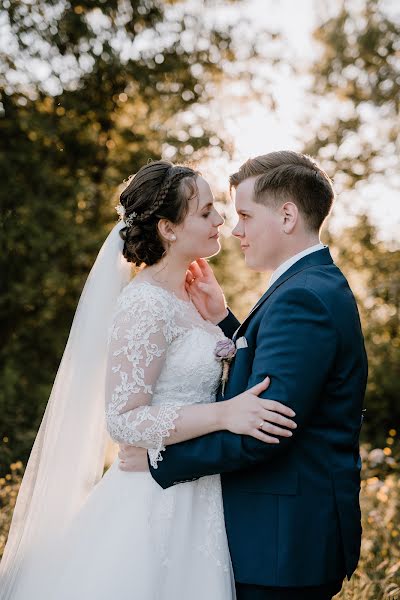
<point>169,274</point>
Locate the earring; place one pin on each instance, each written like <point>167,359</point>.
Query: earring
<point>173,238</point>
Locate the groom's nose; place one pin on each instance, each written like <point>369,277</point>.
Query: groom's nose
<point>237,230</point>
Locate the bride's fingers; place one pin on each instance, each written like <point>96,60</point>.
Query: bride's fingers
<point>276,406</point>
<point>204,267</point>
<point>263,437</point>
<point>278,419</point>
<point>195,270</point>
<point>195,294</point>
<point>192,273</point>
<point>275,430</point>
<point>192,283</point>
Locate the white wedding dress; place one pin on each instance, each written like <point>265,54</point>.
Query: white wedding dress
<point>132,540</point>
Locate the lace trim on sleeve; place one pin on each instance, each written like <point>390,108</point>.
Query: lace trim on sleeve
<point>163,424</point>
<point>142,331</point>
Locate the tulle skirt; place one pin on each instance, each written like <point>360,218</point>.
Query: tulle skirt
<point>132,540</point>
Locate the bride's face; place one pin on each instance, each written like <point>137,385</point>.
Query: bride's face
<point>198,235</point>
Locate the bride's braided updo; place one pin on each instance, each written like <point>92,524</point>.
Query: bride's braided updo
<point>159,190</point>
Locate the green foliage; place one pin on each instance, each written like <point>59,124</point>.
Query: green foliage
<point>372,269</point>
<point>119,79</point>
<point>89,91</point>
<point>359,73</point>
<point>9,487</point>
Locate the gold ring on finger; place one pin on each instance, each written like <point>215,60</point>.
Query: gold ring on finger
<point>261,425</point>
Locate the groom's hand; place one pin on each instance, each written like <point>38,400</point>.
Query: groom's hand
<point>132,458</point>
<point>205,291</point>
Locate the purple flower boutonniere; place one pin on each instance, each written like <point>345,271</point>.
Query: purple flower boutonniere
<point>224,352</point>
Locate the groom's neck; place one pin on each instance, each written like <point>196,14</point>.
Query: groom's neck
<point>296,245</point>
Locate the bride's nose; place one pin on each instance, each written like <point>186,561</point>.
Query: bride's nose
<point>219,219</point>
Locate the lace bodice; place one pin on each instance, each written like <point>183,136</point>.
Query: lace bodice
<point>161,357</point>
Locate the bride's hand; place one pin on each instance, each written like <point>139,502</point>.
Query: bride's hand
<point>205,291</point>
<point>245,413</point>
<point>132,458</point>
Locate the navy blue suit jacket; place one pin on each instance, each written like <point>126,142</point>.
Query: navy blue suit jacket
<point>291,509</point>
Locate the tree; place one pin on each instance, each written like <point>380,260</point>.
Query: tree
<point>372,270</point>
<point>357,79</point>
<point>90,90</point>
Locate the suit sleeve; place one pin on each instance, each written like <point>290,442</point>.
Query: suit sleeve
<point>296,347</point>
<point>229,325</point>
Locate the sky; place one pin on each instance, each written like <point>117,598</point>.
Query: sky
<point>252,126</point>
<point>256,129</point>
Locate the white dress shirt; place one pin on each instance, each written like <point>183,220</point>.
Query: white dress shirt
<point>292,260</point>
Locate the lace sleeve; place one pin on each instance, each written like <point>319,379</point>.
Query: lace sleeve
<point>143,328</point>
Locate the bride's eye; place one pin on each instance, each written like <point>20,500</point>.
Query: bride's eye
<point>207,214</point>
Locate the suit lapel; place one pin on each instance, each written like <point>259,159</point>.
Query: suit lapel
<point>321,257</point>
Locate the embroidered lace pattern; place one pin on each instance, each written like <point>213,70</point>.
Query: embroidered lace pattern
<point>211,497</point>
<point>160,358</point>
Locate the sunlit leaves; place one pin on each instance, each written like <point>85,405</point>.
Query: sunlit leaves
<point>359,72</point>
<point>90,90</point>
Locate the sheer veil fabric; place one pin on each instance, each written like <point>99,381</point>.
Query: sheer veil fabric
<point>67,459</point>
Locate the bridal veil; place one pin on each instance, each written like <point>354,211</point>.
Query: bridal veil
<point>67,459</point>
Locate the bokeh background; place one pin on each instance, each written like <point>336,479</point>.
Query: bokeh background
<point>90,90</point>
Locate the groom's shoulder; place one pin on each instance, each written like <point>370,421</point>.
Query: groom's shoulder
<point>325,282</point>
<point>329,285</point>
<point>327,276</point>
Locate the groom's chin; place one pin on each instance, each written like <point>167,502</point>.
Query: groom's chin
<point>254,266</point>
<point>250,264</point>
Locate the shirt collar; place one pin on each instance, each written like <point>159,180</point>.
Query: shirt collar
<point>292,260</point>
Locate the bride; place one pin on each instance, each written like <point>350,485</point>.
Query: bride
<point>138,347</point>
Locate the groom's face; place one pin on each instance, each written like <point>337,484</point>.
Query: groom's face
<point>259,229</point>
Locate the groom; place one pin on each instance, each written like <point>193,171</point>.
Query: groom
<point>291,509</point>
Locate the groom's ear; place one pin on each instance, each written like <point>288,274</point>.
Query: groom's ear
<point>290,215</point>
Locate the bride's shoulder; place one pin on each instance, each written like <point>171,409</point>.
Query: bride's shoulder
<point>143,307</point>
<point>142,295</point>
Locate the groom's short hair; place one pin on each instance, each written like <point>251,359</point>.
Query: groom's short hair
<point>289,176</point>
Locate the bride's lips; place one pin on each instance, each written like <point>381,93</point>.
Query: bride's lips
<point>244,247</point>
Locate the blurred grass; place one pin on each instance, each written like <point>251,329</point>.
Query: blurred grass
<point>378,574</point>
<point>9,486</point>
